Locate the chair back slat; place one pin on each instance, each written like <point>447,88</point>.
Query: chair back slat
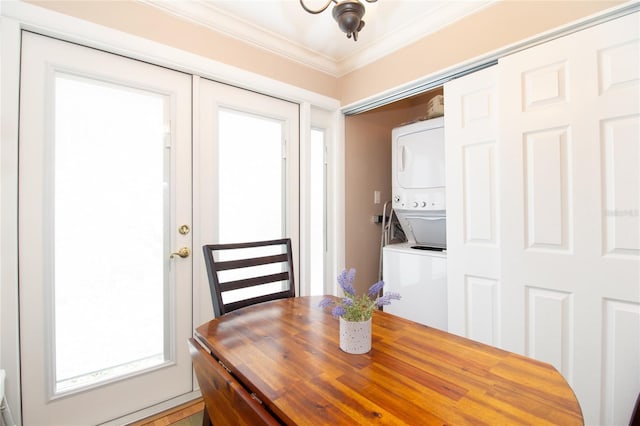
<point>254,281</point>
<point>248,262</point>
<point>232,306</point>
<point>227,258</point>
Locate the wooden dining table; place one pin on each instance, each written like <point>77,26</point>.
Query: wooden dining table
<point>286,354</point>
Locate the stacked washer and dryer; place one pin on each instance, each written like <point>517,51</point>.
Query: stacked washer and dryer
<point>417,268</point>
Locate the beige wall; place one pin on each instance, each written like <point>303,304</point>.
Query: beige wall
<point>488,30</point>
<point>492,28</point>
<point>151,23</point>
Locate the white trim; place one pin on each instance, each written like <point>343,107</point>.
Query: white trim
<point>446,14</point>
<point>336,204</point>
<point>208,15</point>
<point>9,315</point>
<point>302,273</point>
<point>212,17</point>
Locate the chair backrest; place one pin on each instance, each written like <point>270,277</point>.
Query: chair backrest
<point>243,274</point>
<point>635,415</point>
<point>226,401</point>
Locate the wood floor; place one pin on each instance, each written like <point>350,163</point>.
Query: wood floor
<point>174,415</point>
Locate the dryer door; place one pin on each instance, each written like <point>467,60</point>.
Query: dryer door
<point>419,159</point>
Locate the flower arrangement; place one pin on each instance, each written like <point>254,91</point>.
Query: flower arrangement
<point>357,308</point>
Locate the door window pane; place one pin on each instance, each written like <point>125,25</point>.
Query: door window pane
<point>251,177</point>
<point>251,189</point>
<point>110,204</point>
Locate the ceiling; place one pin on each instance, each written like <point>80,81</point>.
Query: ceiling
<point>284,28</point>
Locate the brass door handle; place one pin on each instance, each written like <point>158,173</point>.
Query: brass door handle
<point>183,252</point>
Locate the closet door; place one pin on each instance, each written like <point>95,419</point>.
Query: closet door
<point>570,189</point>
<point>104,187</point>
<point>473,239</point>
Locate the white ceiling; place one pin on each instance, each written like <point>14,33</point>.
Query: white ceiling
<point>283,27</point>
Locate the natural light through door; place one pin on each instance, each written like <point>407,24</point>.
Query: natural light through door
<point>247,163</point>
<point>104,197</point>
<point>251,177</point>
<point>110,175</point>
<point>251,190</point>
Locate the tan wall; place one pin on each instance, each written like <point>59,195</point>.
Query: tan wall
<point>152,23</point>
<point>488,30</point>
<point>368,168</point>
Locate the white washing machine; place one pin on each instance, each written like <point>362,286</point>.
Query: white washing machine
<point>420,276</point>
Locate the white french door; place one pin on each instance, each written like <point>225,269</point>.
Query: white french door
<point>104,189</point>
<point>247,171</point>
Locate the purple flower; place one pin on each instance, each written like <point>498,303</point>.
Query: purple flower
<point>327,301</point>
<point>345,279</point>
<point>387,298</point>
<point>357,308</point>
<point>339,311</point>
<point>375,288</point>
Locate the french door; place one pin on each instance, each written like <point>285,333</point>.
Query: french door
<point>104,201</point>
<point>247,168</point>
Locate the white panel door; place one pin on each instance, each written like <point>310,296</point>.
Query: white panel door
<point>570,187</point>
<point>473,250</point>
<point>104,185</point>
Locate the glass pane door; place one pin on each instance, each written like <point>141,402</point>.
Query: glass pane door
<point>110,172</point>
<point>104,186</point>
<point>247,174</point>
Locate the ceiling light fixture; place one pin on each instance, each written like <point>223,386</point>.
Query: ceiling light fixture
<point>348,14</point>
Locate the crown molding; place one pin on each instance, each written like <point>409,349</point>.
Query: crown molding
<point>420,27</point>
<point>209,16</point>
<point>206,14</point>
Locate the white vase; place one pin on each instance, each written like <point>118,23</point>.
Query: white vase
<point>355,336</point>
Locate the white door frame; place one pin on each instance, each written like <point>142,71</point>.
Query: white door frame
<point>18,16</point>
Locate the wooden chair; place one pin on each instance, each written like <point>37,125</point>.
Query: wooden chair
<point>226,401</point>
<point>264,266</point>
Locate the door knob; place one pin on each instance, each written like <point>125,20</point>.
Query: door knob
<point>183,252</point>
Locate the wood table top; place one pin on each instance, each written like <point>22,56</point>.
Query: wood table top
<point>287,353</point>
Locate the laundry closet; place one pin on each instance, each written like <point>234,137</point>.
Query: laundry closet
<point>543,246</point>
